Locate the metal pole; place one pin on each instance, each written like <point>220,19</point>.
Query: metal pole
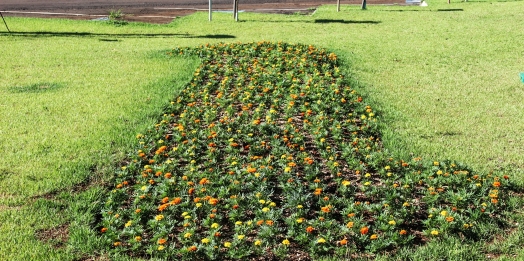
<point>4,22</point>
<point>210,10</point>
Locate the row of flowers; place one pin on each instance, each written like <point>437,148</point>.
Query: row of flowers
<point>268,149</point>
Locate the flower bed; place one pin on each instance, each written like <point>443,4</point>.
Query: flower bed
<point>268,151</point>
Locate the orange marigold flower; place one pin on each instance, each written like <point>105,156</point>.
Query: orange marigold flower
<point>203,181</point>
<point>192,249</point>
<point>165,200</point>
<point>349,224</point>
<point>326,209</point>
<point>235,206</point>
<point>103,230</point>
<point>190,191</point>
<point>176,201</point>
<point>450,219</point>
<point>364,230</point>
<point>318,191</point>
<point>163,207</point>
<point>217,234</point>
<point>373,237</point>
<point>213,201</point>
<point>161,241</point>
<point>251,170</point>
<point>403,232</point>
<point>343,242</point>
<point>212,215</point>
<point>496,184</point>
<point>310,229</point>
<point>506,177</point>
<point>269,222</point>
<point>117,244</point>
<point>494,200</point>
<point>168,175</point>
<point>260,222</point>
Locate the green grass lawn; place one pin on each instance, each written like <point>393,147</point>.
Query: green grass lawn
<point>75,93</point>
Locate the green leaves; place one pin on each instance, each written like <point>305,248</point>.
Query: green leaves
<point>270,144</point>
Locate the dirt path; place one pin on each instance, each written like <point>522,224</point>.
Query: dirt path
<point>156,11</point>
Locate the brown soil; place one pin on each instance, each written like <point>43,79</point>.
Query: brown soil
<point>157,11</point>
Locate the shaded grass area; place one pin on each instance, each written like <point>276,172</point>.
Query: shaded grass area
<point>447,83</point>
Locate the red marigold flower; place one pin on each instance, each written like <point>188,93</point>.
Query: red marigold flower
<point>364,230</point>
<point>103,230</point>
<point>310,229</point>
<point>235,206</point>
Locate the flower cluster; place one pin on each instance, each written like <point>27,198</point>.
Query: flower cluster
<point>268,149</point>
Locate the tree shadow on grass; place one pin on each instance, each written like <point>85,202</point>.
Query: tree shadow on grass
<point>108,37</point>
<point>341,21</point>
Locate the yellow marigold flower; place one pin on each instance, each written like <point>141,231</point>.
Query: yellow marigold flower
<point>300,206</point>
<point>300,220</point>
<point>434,232</point>
<point>258,243</point>
<point>159,217</point>
<point>285,242</point>
<point>272,204</point>
<point>436,163</point>
<point>238,223</point>
<point>443,213</point>
<point>287,169</point>
<point>187,235</point>
<point>349,224</point>
<point>392,222</point>
<point>265,209</point>
<point>241,237</point>
<point>439,172</point>
<point>346,183</point>
<point>406,204</point>
<point>387,167</point>
<point>373,237</point>
<point>198,205</point>
<point>227,244</point>
<point>129,223</point>
<point>138,238</point>
<point>214,225</point>
<point>160,248</point>
<point>262,201</point>
<point>367,175</point>
<point>367,183</point>
<point>321,240</point>
<point>205,240</point>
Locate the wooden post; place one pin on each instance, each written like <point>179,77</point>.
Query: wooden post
<point>338,5</point>
<point>210,10</point>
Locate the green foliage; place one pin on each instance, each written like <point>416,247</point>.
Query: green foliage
<point>116,17</point>
<point>269,148</point>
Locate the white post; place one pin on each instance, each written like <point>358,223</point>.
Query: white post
<point>210,10</point>
<point>338,5</point>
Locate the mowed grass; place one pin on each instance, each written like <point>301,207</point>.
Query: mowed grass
<point>74,94</point>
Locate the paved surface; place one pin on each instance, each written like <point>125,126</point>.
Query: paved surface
<point>156,11</point>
